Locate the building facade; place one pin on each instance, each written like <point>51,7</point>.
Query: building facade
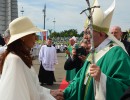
<point>8,12</point>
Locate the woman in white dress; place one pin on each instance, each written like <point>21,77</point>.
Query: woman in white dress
<point>18,78</point>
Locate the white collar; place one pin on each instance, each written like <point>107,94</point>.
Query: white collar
<point>103,44</point>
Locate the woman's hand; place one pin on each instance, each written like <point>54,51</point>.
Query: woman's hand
<point>57,94</point>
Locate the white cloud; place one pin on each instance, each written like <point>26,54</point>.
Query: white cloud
<point>67,13</point>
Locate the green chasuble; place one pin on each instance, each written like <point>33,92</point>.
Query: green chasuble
<point>115,64</point>
<point>70,74</point>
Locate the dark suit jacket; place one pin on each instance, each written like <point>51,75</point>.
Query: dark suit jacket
<point>127,45</point>
<point>73,63</point>
<point>126,95</point>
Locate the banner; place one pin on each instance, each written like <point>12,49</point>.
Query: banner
<point>44,35</point>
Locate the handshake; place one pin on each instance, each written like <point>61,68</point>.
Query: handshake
<point>57,94</point>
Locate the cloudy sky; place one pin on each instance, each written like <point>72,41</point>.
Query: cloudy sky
<point>67,13</point>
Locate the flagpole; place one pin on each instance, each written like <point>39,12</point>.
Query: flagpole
<point>44,12</point>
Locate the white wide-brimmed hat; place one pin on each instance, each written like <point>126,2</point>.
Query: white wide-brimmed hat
<point>21,27</point>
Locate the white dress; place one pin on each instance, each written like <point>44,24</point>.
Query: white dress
<point>18,82</point>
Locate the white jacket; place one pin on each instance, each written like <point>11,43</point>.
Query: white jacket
<point>18,82</point>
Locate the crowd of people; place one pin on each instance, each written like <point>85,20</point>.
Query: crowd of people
<point>99,75</point>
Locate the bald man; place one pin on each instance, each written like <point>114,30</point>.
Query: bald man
<point>116,31</point>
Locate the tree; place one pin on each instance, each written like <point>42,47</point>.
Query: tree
<point>66,33</point>
<point>50,31</point>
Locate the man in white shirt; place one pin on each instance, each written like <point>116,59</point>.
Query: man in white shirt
<point>48,58</point>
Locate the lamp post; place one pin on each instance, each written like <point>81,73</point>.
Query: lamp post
<point>22,11</point>
<point>54,24</point>
<point>44,12</point>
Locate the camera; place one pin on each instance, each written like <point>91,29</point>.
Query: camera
<point>81,51</point>
<point>65,48</point>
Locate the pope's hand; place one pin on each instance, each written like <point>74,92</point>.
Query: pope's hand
<point>95,72</point>
<point>57,94</point>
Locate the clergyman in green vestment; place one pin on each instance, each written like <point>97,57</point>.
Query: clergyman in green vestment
<point>109,77</point>
<point>70,74</point>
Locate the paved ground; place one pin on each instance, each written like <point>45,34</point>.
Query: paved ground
<point>59,70</point>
